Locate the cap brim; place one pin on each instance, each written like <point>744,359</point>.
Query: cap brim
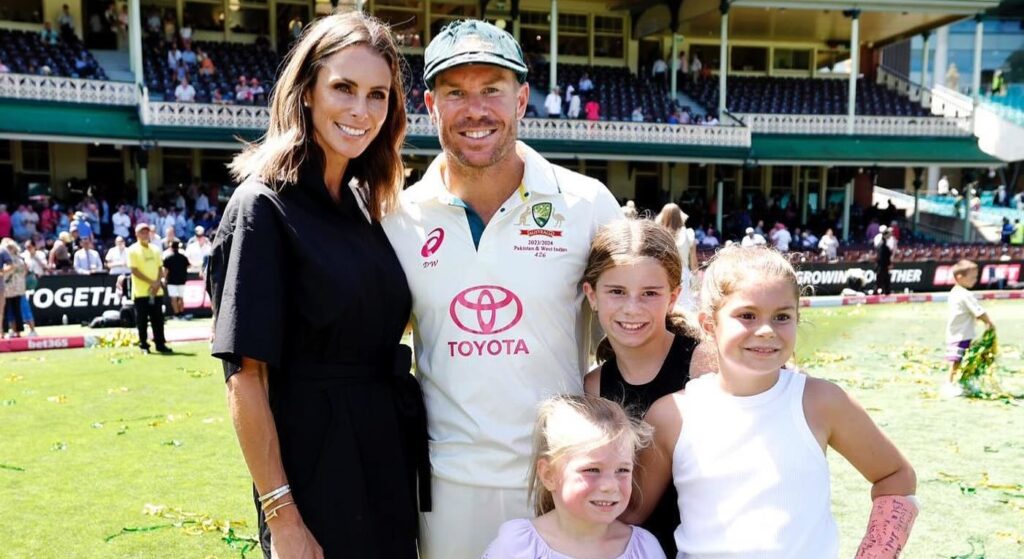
<point>474,58</point>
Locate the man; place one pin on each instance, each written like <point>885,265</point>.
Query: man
<point>781,238</point>
<point>176,265</point>
<point>752,239</point>
<point>117,258</point>
<point>122,222</point>
<point>147,288</point>
<point>553,104</point>
<point>184,93</point>
<point>493,240</point>
<point>198,249</point>
<point>883,262</point>
<point>87,260</point>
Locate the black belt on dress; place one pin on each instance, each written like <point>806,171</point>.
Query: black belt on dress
<point>412,413</point>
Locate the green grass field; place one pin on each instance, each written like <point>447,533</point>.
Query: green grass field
<point>107,442</point>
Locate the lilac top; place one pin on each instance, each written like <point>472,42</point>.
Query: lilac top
<point>519,539</point>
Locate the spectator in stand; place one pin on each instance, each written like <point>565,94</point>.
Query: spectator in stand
<point>184,93</point>
<point>206,65</point>
<point>83,66</point>
<point>117,258</point>
<point>176,265</point>
<point>48,220</point>
<point>685,117</point>
<point>710,120</point>
<point>256,91</point>
<point>884,235</point>
<point>592,109</point>
<point>66,23</point>
<point>188,56</point>
<point>570,89</point>
<point>169,237</point>
<point>1017,238</point>
<point>153,21</point>
<point>5,221</point>
<point>198,249</point>
<point>781,238</point>
<point>4,69</point>
<point>416,104</point>
<point>35,260</point>
<point>170,27</point>
<point>1006,231</point>
<point>586,85</point>
<point>684,63</point>
<point>871,233</point>
<point>808,241</point>
<point>49,35</point>
<point>553,104</point>
<point>181,70</point>
<point>217,97</point>
<point>695,68</point>
<point>829,246</point>
<point>17,224</point>
<point>87,260</point>
<point>659,71</point>
<point>202,203</point>
<point>673,116</point>
<point>710,239</point>
<point>173,56</point>
<point>638,115</point>
<point>242,92</point>
<point>186,32</point>
<point>122,222</point>
<point>574,105</point>
<point>752,239</point>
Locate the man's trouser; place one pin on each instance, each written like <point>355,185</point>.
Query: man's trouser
<point>466,518</point>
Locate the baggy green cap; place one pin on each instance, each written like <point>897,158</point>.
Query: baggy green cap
<point>472,42</point>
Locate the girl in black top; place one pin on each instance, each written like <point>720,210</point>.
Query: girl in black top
<point>632,281</point>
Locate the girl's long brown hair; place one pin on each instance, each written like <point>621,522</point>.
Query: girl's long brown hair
<point>278,156</point>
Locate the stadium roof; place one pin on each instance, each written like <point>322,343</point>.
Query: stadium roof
<point>818,21</point>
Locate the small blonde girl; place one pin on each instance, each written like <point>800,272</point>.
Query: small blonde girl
<point>745,447</point>
<point>581,480</point>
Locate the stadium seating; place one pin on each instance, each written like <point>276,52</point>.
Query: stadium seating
<point>24,52</point>
<point>231,60</point>
<point>859,253</point>
<point>761,94</point>
<point>618,91</point>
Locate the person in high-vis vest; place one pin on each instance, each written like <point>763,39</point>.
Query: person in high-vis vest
<point>493,241</point>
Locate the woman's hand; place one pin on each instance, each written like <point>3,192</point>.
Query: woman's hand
<point>290,538</point>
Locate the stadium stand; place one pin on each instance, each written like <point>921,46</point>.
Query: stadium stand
<point>231,62</point>
<point>616,89</point>
<point>24,52</point>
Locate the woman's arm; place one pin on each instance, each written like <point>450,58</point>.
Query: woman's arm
<point>592,382</point>
<point>249,405</point>
<point>653,472</point>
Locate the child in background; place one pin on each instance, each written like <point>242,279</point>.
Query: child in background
<point>632,281</point>
<point>746,446</point>
<point>964,309</point>
<point>580,482</point>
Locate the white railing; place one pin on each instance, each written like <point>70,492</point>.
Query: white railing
<point>949,103</point>
<point>863,125</point>
<point>242,116</point>
<point>67,90</point>
<point>902,84</point>
<point>204,115</point>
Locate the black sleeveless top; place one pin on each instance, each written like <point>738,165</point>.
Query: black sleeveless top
<point>637,399</point>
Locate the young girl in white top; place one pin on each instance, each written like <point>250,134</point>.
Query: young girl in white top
<point>746,446</point>
<point>580,482</point>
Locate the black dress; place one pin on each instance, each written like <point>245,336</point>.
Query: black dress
<point>637,399</point>
<point>310,287</point>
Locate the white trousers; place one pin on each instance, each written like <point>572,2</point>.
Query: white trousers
<point>466,518</point>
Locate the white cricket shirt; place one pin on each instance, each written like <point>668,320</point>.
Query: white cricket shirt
<point>498,327</point>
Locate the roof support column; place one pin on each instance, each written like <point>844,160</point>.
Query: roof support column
<point>553,56</point>
<point>674,76</point>
<point>847,200</point>
<point>851,102</point>
<point>135,41</point>
<point>924,59</point>
<point>142,175</point>
<point>979,29</point>
<point>723,56</point>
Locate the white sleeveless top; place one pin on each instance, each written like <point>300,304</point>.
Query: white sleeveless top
<point>752,480</point>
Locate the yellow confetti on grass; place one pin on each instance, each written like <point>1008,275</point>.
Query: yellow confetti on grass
<point>14,378</point>
<point>118,390</point>
<point>58,399</point>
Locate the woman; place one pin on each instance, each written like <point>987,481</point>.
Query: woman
<point>673,219</point>
<point>311,303</point>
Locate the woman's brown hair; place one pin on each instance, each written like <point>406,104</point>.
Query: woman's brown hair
<point>277,157</point>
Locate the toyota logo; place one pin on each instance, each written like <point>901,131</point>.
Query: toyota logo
<point>486,309</point>
<point>433,242</point>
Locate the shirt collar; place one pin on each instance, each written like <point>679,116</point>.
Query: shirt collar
<point>538,177</point>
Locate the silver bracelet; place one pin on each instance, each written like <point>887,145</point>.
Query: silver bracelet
<point>275,494</point>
